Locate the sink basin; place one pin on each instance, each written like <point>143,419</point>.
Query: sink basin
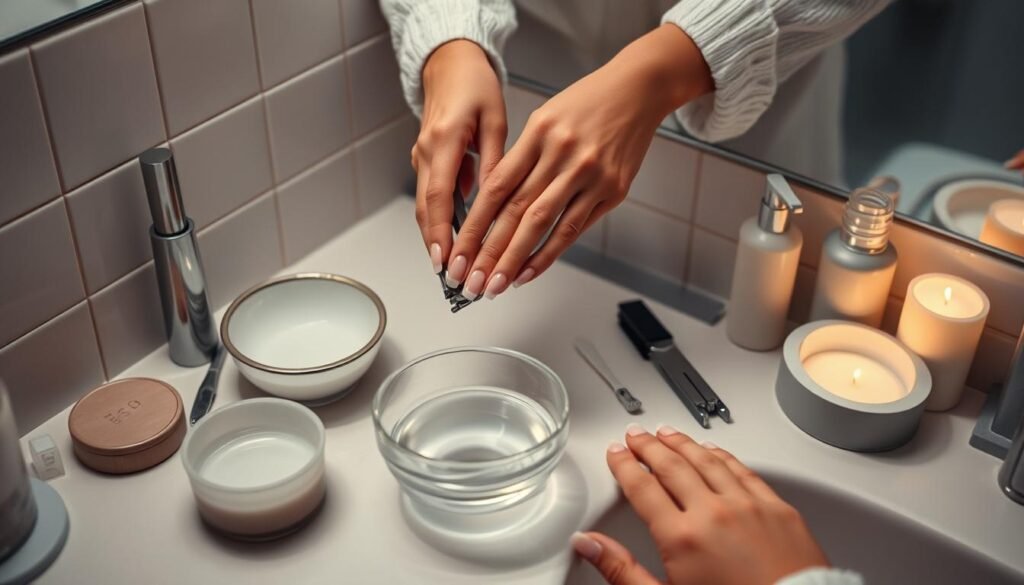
<point>883,546</point>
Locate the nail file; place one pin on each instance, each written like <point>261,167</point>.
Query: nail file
<point>590,355</point>
<point>655,343</point>
<point>454,295</point>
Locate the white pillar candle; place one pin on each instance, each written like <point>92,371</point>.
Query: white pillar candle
<point>942,320</point>
<point>1004,226</point>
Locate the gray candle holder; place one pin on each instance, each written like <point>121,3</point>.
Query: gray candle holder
<point>836,420</point>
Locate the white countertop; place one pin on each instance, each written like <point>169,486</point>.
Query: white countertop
<point>144,528</point>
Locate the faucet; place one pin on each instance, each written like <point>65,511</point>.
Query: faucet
<point>1000,427</point>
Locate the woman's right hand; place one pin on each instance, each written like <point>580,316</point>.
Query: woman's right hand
<point>463,107</point>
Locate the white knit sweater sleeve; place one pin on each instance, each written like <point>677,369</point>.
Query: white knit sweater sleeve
<point>822,576</point>
<point>420,26</point>
<point>751,47</point>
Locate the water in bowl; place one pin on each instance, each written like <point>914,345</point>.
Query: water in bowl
<point>474,424</point>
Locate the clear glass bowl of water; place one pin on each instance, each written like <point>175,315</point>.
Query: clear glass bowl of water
<point>472,429</point>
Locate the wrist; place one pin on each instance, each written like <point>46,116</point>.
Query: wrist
<point>669,66</point>
<point>452,55</point>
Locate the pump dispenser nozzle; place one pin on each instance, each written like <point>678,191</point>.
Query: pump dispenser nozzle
<point>777,205</point>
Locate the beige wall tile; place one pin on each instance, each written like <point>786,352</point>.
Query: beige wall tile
<point>648,240</point>
<point>51,367</point>
<point>317,205</point>
<point>129,320</point>
<point>711,263</point>
<point>667,180</point>
<point>309,118</point>
<point>382,165</point>
<point>376,90</point>
<point>291,39</point>
<point>38,270</point>
<point>27,171</point>
<point>100,93</point>
<point>224,162</point>
<point>361,20</point>
<point>205,57</point>
<point>241,250</point>
<point>728,194</point>
<point>822,215</point>
<point>111,219</point>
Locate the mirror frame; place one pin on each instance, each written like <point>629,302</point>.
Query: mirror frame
<point>830,190</point>
<point>27,36</point>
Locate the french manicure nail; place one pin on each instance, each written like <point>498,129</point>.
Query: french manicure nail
<point>708,445</point>
<point>667,430</point>
<point>616,447</point>
<point>585,546</point>
<point>525,277</point>
<point>635,430</point>
<point>474,284</point>
<point>435,257</point>
<point>496,286</point>
<point>456,271</point>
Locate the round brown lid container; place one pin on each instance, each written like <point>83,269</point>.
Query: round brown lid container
<point>127,425</point>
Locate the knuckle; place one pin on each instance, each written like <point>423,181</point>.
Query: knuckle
<point>564,139</point>
<point>588,162</point>
<point>539,214</point>
<point>540,120</point>
<point>489,253</point>
<point>515,208</point>
<point>496,185</point>
<point>720,513</point>
<point>421,215</point>
<point>568,231</point>
<point>787,512</point>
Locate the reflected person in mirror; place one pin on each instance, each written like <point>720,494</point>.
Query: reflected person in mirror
<point>715,65</point>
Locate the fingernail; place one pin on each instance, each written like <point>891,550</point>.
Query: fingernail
<point>497,285</point>
<point>616,447</point>
<point>667,430</point>
<point>585,546</point>
<point>456,271</point>
<point>708,445</point>
<point>435,257</point>
<point>474,284</point>
<point>635,430</point>
<point>526,276</point>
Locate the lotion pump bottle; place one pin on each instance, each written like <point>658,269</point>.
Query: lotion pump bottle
<point>766,261</point>
<point>857,262</point>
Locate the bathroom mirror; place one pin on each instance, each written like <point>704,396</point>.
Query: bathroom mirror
<point>927,92</point>
<point>21,20</point>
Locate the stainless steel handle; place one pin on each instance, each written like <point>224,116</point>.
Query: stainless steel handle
<point>780,195</point>
<point>163,192</point>
<point>591,355</point>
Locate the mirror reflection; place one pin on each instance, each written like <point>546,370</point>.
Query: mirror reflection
<point>918,97</point>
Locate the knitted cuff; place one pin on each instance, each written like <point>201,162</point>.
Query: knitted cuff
<point>822,576</point>
<point>432,23</point>
<point>738,41</point>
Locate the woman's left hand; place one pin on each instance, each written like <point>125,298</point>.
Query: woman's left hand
<point>574,162</point>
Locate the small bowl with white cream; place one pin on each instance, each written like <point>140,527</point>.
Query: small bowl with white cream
<point>257,467</point>
<point>306,337</point>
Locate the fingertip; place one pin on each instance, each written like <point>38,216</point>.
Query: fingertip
<point>586,546</point>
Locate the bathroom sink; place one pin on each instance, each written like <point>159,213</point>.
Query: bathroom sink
<point>883,546</point>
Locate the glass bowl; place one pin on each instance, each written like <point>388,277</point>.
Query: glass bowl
<point>472,429</point>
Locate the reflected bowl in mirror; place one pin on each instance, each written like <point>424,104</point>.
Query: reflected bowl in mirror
<point>472,429</point>
<point>961,205</point>
<point>306,337</point>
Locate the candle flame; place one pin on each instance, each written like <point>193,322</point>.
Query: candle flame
<point>856,375</point>
<point>948,294</point>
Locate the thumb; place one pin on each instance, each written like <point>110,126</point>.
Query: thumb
<point>615,563</point>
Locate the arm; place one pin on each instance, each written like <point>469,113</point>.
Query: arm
<point>751,46</point>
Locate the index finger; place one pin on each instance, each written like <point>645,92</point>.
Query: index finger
<point>647,496</point>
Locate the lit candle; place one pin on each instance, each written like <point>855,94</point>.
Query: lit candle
<point>1004,226</point>
<point>942,320</point>
<point>854,377</point>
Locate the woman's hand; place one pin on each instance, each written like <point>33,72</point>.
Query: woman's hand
<point>463,106</point>
<point>574,162</point>
<point>1016,162</point>
<point>713,520</point>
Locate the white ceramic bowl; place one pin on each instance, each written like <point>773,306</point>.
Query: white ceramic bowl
<point>257,467</point>
<point>307,337</point>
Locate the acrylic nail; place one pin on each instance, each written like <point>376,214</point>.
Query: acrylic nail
<point>524,277</point>
<point>456,271</point>
<point>616,447</point>
<point>435,257</point>
<point>474,285</point>
<point>635,430</point>
<point>497,285</point>
<point>708,445</point>
<point>585,546</point>
<point>667,430</point>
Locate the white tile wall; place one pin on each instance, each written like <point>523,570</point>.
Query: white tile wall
<point>77,108</point>
<point>653,240</point>
<point>375,71</point>
<point>667,180</point>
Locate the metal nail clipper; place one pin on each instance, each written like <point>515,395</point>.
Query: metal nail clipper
<point>454,295</point>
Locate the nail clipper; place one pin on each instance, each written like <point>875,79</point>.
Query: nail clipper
<point>454,295</point>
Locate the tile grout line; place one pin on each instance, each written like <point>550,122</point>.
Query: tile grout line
<point>61,182</point>
<point>693,219</point>
<point>356,192</point>
<point>156,76</point>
